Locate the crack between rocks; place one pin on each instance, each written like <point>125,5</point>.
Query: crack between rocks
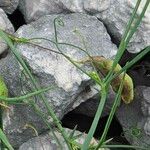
<point>4,54</point>
<point>113,39</point>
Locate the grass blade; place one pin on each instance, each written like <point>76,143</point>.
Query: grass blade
<point>5,140</point>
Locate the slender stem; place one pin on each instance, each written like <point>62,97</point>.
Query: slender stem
<point>131,63</point>
<point>123,44</point>
<point>21,98</point>
<point>96,119</point>
<point>131,20</point>
<point>1,127</point>
<point>68,58</point>
<point>111,115</point>
<point>124,146</point>
<point>50,111</point>
<point>137,22</point>
<point>41,114</point>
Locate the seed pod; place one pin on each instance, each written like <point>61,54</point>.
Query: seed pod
<point>104,65</point>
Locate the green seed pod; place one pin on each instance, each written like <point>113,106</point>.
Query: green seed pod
<point>104,65</point>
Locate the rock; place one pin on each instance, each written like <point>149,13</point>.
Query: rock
<point>5,25</point>
<point>90,106</point>
<point>116,18</point>
<point>114,14</point>
<point>94,6</point>
<point>47,142</point>
<point>10,71</point>
<point>32,10</point>
<point>73,6</point>
<point>9,6</point>
<point>135,118</point>
<point>53,69</point>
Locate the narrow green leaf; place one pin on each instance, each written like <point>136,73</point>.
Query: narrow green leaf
<point>21,98</point>
<point>5,140</point>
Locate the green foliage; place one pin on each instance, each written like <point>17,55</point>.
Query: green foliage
<point>5,140</point>
<point>3,88</point>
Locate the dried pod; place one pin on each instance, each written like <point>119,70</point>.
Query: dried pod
<point>104,65</point>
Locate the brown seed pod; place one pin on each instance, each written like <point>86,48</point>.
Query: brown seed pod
<point>104,65</point>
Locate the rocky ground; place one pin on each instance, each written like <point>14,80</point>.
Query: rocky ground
<point>75,100</point>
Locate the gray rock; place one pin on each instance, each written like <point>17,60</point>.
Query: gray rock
<point>114,14</point>
<point>53,69</point>
<point>135,118</point>
<point>32,10</point>
<point>9,6</point>
<point>96,6</point>
<point>47,142</point>
<point>90,106</point>
<point>116,18</point>
<point>90,6</point>
<point>5,25</point>
<point>73,5</point>
<point>10,71</point>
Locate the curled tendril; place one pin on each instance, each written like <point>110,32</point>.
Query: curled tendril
<point>59,21</point>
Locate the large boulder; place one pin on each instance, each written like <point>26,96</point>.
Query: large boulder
<point>5,25</point>
<point>9,6</point>
<point>10,71</point>
<point>116,18</point>
<point>51,68</point>
<point>47,141</point>
<point>32,10</point>
<point>135,118</point>
<point>115,14</point>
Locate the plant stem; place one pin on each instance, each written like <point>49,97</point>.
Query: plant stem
<point>111,115</point>
<point>21,98</point>
<point>50,111</point>
<point>125,146</point>
<point>123,43</point>
<point>96,119</point>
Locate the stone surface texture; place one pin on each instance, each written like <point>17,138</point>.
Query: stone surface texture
<point>9,69</point>
<point>5,25</point>
<point>135,118</point>
<point>90,106</point>
<point>50,68</point>
<point>47,142</point>
<point>116,18</point>
<point>32,10</point>
<point>9,6</point>
<point>114,14</point>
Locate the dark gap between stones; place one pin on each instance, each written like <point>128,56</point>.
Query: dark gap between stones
<point>140,72</point>
<point>4,54</point>
<point>84,122</point>
<point>16,19</point>
<point>113,37</point>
